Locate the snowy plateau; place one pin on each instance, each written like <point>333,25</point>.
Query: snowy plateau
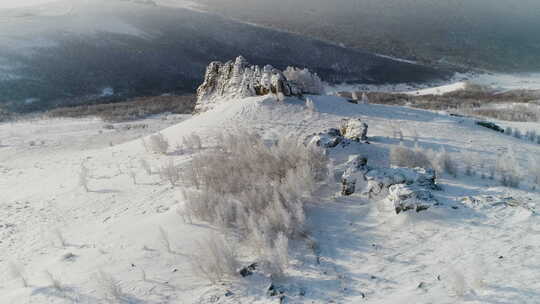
<point>92,212</point>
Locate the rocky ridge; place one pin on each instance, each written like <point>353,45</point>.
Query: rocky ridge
<point>238,79</point>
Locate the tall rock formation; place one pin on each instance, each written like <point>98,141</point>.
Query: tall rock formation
<point>238,79</point>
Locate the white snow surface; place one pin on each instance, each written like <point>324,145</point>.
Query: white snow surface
<point>497,81</point>
<point>367,254</point>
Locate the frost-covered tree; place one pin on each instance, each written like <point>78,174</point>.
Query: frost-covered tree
<point>365,99</point>
<point>304,80</point>
<point>508,169</point>
<point>146,166</point>
<point>444,163</point>
<point>169,172</point>
<point>266,78</point>
<point>402,156</point>
<point>310,106</point>
<point>355,95</point>
<point>157,143</point>
<point>215,260</point>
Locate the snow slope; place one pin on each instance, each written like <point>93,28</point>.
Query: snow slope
<point>367,253</point>
<point>497,81</point>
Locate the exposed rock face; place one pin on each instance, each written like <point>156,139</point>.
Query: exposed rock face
<point>409,197</point>
<point>406,188</point>
<point>357,168</point>
<point>351,130</point>
<point>354,129</point>
<point>327,139</point>
<point>403,188</point>
<point>239,79</point>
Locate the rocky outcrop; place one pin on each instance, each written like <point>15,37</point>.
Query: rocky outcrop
<point>356,171</point>
<point>402,189</point>
<point>404,197</point>
<point>354,129</point>
<point>405,188</point>
<point>327,139</point>
<point>351,130</point>
<point>239,79</point>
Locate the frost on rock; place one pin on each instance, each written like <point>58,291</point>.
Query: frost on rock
<point>239,79</point>
<point>351,130</point>
<point>354,129</point>
<point>403,188</point>
<point>409,197</point>
<point>406,188</point>
<point>327,139</point>
<point>356,170</point>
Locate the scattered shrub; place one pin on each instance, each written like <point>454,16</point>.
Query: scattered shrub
<point>310,106</point>
<point>478,273</point>
<point>307,82</point>
<point>402,156</point>
<point>164,239</point>
<point>216,260</point>
<point>157,143</point>
<point>169,172</point>
<point>59,236</point>
<point>146,166</point>
<point>134,109</point>
<point>533,167</point>
<point>457,281</point>
<point>279,255</point>
<point>443,163</point>
<point>507,168</point>
<point>256,189</point>
<point>192,142</point>
<point>133,176</point>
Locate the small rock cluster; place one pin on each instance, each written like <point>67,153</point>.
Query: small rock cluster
<point>405,188</point>
<point>350,130</point>
<point>490,201</point>
<point>356,170</point>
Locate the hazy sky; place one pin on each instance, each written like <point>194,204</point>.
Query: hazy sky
<point>21,3</point>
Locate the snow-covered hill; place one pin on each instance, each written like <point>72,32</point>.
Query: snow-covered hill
<point>62,52</point>
<point>71,246</point>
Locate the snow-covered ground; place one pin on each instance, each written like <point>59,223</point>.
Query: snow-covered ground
<point>477,253</point>
<point>500,82</point>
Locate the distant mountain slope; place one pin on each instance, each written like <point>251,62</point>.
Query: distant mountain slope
<point>492,34</point>
<point>70,52</point>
